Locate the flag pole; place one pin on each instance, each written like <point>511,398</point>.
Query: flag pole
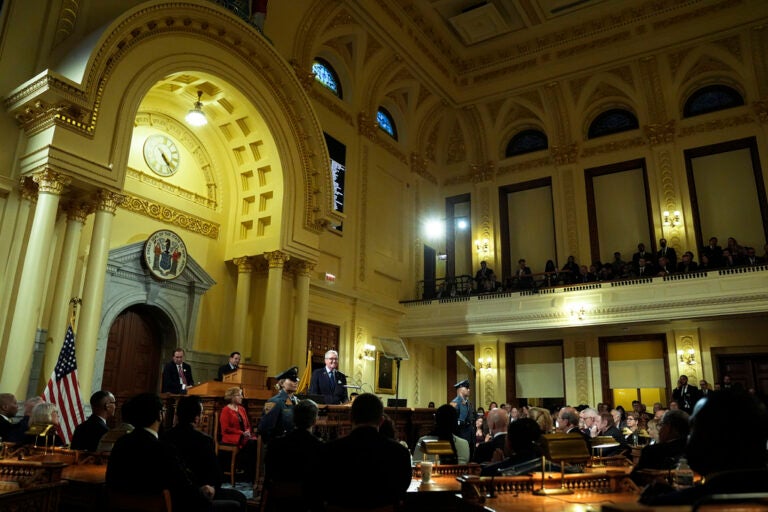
<point>74,302</point>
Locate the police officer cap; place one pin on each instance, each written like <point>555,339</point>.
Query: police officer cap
<point>462,384</point>
<point>291,373</point>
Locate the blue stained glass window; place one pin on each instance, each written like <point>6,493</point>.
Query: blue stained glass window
<point>613,121</point>
<point>527,141</point>
<point>325,74</point>
<point>385,122</point>
<point>711,99</point>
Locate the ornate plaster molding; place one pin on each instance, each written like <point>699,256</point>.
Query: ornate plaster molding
<point>172,216</point>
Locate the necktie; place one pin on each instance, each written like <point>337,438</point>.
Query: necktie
<point>333,381</point>
<point>182,376</point>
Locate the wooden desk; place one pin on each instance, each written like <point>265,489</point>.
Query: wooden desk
<point>86,489</point>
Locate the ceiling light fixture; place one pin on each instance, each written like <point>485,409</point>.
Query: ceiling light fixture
<point>196,116</point>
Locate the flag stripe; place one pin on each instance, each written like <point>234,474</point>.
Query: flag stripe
<point>64,390</point>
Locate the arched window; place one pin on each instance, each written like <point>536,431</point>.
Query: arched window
<point>527,141</point>
<point>612,121</point>
<point>711,99</point>
<point>325,74</point>
<point>386,123</point>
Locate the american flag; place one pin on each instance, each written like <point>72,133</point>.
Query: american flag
<point>63,389</point>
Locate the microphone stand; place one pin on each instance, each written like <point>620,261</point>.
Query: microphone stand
<point>397,391</point>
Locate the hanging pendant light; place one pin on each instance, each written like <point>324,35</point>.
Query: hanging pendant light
<point>196,116</point>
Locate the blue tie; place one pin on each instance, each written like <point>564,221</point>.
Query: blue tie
<point>333,381</point>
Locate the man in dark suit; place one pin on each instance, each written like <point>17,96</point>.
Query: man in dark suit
<point>328,381</point>
<point>673,433</point>
<point>686,395</point>
<point>498,421</point>
<point>10,431</point>
<point>384,464</point>
<point>230,367</point>
<point>641,253</point>
<point>714,252</point>
<point>177,375</point>
<point>198,453</point>
<point>288,474</point>
<point>142,464</point>
<point>88,434</point>
<point>687,265</point>
<point>667,252</point>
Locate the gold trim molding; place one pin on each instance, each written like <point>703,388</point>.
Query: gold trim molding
<point>171,216</point>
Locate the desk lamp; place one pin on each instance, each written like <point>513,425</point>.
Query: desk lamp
<point>600,442</point>
<point>436,448</point>
<point>38,431</point>
<point>561,448</point>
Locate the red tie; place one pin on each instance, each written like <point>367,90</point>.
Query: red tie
<point>182,376</point>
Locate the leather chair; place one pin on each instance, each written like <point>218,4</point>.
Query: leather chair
<point>220,447</point>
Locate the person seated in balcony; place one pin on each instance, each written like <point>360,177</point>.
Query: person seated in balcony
<point>750,259</point>
<point>485,278</point>
<point>551,277</point>
<point>617,264</point>
<point>667,252</point>
<point>665,267</point>
<point>644,269</point>
<point>641,253</point>
<point>626,272</point>
<point>713,252</point>
<point>737,251</point>
<point>523,275</point>
<point>606,273</point>
<point>728,260</point>
<point>572,271</point>
<point>705,264</point>
<point>687,265</point>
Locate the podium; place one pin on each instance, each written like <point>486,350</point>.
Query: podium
<point>250,375</point>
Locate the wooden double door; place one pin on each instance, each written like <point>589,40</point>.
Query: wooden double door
<point>749,370</point>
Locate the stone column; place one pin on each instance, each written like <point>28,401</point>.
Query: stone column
<point>93,289</point>
<point>270,324</point>
<point>242,303</point>
<point>303,274</point>
<point>77,212</point>
<point>20,350</point>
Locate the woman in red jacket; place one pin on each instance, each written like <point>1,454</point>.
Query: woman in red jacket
<point>236,429</point>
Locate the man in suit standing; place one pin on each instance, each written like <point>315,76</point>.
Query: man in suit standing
<point>230,367</point>
<point>328,381</point>
<point>88,434</point>
<point>177,375</point>
<point>384,463</point>
<point>498,421</point>
<point>667,252</point>
<point>686,395</point>
<point>198,453</point>
<point>640,254</point>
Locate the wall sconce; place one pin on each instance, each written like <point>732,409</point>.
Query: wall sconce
<point>482,246</point>
<point>670,220</point>
<point>196,116</point>
<point>484,364</point>
<point>368,352</point>
<point>687,357</point>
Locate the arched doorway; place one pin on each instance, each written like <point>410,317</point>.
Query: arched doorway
<point>132,363</point>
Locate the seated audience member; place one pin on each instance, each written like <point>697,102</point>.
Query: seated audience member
<point>236,429</point>
<point>667,252</point>
<point>45,413</point>
<point>652,427</point>
<point>588,422</point>
<point>523,275</point>
<point>705,264</point>
<point>551,277</point>
<point>633,433</point>
<point>230,367</point>
<point>617,264</point>
<point>606,273</point>
<point>644,269</point>
<point>619,417</point>
<point>666,453</point>
<point>485,279</point>
<point>641,253</point>
<point>10,431</point>
<point>498,421</point>
<point>446,418</point>
<point>584,275</point>
<point>482,433</point>
<point>664,268</point>
<point>568,423</point>
<point>198,453</point>
<point>523,448</point>
<point>736,464</point>
<point>736,250</point>
<point>751,259</point>
<point>289,461</point>
<point>713,252</point>
<point>687,265</point>
<point>608,428</point>
<point>514,414</point>
<point>385,464</point>
<point>728,260</point>
<point>543,418</point>
<point>571,269</point>
<point>88,434</point>
<point>140,463</point>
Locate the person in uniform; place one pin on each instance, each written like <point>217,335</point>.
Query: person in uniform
<point>466,416</point>
<point>278,410</point>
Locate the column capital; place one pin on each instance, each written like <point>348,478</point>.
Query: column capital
<point>51,182</point>
<point>244,264</point>
<point>303,268</point>
<point>28,189</point>
<point>276,259</point>
<point>108,201</point>
<point>78,210</point>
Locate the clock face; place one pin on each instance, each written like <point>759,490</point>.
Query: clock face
<point>161,155</point>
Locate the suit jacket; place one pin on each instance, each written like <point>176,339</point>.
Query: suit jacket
<point>171,380</point>
<point>224,369</point>
<point>13,432</point>
<point>658,456</point>
<point>320,384</point>
<point>229,426</point>
<point>88,434</point>
<point>383,464</point>
<point>686,400</point>
<point>198,453</point>
<point>140,463</point>
<point>670,254</point>
<point>484,451</point>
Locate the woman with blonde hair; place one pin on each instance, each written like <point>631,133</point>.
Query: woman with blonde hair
<point>235,429</point>
<point>543,418</point>
<point>46,413</point>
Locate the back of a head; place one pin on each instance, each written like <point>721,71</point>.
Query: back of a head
<point>498,419</point>
<point>188,409</point>
<point>446,417</point>
<point>677,424</point>
<point>367,409</point>
<point>142,410</point>
<point>522,434</point>
<point>542,417</point>
<point>305,414</point>
<point>714,444</point>
<point>42,414</point>
<point>97,398</point>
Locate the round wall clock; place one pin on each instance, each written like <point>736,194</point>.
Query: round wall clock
<point>165,254</point>
<point>161,155</point>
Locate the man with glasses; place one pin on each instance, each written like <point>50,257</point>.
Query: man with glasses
<point>588,422</point>
<point>328,381</point>
<point>88,434</point>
